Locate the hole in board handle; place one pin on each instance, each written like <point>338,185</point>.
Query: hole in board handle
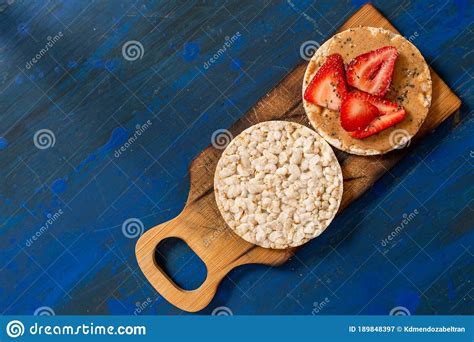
<point>181,264</point>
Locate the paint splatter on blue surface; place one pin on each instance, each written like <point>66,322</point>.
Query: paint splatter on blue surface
<point>23,29</point>
<point>118,137</point>
<point>236,64</point>
<point>59,186</point>
<point>205,117</point>
<point>3,143</point>
<point>110,65</point>
<point>191,51</point>
<point>72,64</point>
<point>98,64</point>
<point>90,158</point>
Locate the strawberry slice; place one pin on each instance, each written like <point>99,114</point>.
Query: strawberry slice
<point>356,112</point>
<point>390,114</point>
<point>383,105</point>
<point>372,71</point>
<point>379,124</point>
<point>328,87</point>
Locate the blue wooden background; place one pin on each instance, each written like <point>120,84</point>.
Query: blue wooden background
<point>91,99</point>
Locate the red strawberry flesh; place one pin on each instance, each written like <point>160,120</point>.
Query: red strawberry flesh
<point>379,124</point>
<point>356,112</point>
<point>383,105</point>
<point>390,114</point>
<point>328,86</point>
<point>372,71</point>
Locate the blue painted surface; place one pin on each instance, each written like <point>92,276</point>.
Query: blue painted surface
<point>62,208</point>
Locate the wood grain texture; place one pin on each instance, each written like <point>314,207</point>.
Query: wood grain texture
<point>200,224</point>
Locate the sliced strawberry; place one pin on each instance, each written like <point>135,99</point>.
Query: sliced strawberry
<point>390,114</point>
<point>372,71</point>
<point>379,124</point>
<point>328,87</point>
<point>356,112</point>
<point>383,105</point>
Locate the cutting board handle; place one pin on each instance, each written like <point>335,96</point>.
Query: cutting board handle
<point>202,228</point>
<point>182,228</point>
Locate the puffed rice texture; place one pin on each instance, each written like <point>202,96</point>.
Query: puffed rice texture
<point>278,184</point>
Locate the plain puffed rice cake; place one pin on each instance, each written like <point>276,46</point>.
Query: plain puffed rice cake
<point>278,184</point>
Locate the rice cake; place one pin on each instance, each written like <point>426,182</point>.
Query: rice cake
<point>278,184</point>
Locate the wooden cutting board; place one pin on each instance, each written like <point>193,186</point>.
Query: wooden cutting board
<point>200,224</point>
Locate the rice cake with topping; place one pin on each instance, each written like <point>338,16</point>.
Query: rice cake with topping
<point>411,88</point>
